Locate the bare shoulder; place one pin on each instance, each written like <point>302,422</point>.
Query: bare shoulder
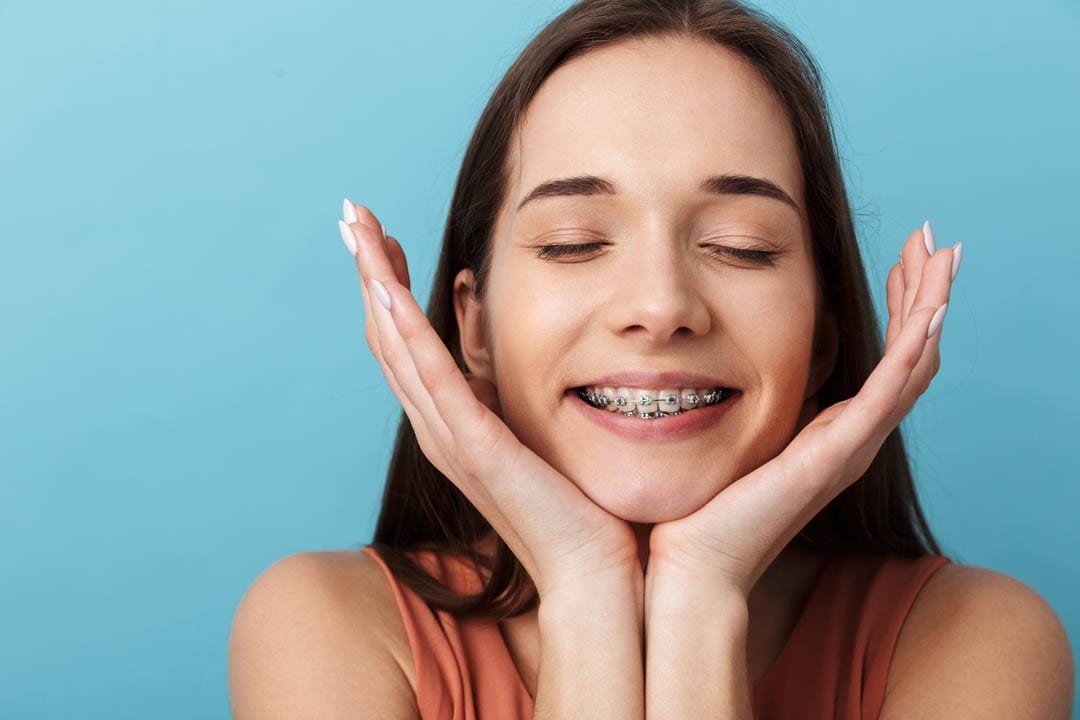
<point>318,634</point>
<point>978,643</point>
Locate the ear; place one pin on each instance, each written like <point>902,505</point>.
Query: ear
<point>472,326</point>
<point>826,350</point>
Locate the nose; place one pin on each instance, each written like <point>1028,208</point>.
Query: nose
<point>658,295</point>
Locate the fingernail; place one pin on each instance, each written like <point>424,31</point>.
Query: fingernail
<point>958,250</point>
<point>380,292</point>
<point>928,235</point>
<point>901,254</point>
<point>935,322</point>
<point>383,228</point>
<point>347,237</point>
<point>348,211</point>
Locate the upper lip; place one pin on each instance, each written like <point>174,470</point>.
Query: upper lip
<point>660,380</point>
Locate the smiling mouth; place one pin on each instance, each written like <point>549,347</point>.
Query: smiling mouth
<point>649,407</point>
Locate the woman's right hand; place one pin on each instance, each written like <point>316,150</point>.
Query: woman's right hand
<point>560,536</point>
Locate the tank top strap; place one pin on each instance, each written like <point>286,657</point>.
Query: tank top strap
<point>836,660</point>
<point>463,668</point>
<point>889,598</point>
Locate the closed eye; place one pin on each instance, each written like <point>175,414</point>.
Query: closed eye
<point>758,257</point>
<point>550,252</point>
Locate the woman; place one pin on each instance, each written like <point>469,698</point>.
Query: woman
<point>651,463</point>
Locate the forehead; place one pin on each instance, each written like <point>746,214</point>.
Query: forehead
<point>656,114</point>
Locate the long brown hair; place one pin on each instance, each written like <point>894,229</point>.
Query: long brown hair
<point>423,510</point>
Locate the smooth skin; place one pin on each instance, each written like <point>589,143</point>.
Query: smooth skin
<point>318,636</point>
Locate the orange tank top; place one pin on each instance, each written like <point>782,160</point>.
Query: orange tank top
<point>833,665</point>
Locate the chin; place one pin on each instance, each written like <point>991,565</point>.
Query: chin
<point>647,500</point>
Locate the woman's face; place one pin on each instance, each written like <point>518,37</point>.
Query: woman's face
<point>652,120</point>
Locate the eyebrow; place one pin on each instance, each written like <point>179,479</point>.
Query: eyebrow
<point>726,184</point>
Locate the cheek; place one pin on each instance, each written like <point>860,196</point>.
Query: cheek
<point>777,328</point>
<point>538,317</point>
<point>776,339</point>
<point>534,327</point>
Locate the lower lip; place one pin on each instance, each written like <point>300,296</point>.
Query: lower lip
<point>671,427</point>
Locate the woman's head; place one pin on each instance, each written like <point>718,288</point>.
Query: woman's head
<point>656,157</point>
<point>690,128</point>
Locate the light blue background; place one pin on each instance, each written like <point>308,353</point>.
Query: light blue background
<point>186,395</point>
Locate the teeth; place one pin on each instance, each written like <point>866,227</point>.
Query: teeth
<point>651,403</point>
<point>668,401</point>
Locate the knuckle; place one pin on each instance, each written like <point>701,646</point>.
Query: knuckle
<point>435,374</point>
<point>408,330</point>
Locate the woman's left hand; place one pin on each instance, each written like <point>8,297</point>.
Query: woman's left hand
<point>728,543</point>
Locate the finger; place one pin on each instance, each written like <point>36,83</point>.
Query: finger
<point>384,252</point>
<point>361,233</point>
<point>352,239</point>
<point>366,235</point>
<point>365,222</point>
<point>375,344</point>
<point>397,259</point>
<point>357,236</point>
<point>363,215</point>
<point>436,382</point>
<point>431,431</point>
<point>894,293</point>
<point>894,385</point>
<point>936,288</point>
<point>914,255</point>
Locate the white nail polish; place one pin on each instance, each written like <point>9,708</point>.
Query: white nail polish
<point>928,235</point>
<point>348,211</point>
<point>347,237</point>
<point>935,322</point>
<point>380,293</point>
<point>958,249</point>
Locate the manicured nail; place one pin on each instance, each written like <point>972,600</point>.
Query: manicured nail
<point>928,236</point>
<point>901,254</point>
<point>958,250</point>
<point>348,211</point>
<point>383,228</point>
<point>380,292</point>
<point>347,237</point>
<point>935,322</point>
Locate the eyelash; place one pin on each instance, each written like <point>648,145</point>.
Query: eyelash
<point>758,257</point>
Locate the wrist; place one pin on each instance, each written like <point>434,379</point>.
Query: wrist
<point>672,591</point>
<point>608,595</point>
